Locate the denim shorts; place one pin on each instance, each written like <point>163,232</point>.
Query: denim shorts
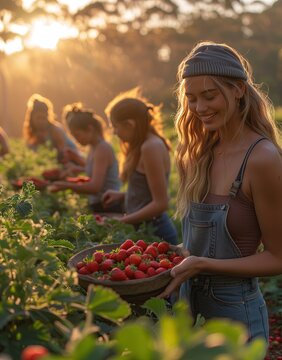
<point>236,299</point>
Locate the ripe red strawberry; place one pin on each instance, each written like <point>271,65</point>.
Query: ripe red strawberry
<point>135,259</point>
<point>130,271</point>
<point>151,271</point>
<point>163,247</point>
<point>140,274</point>
<point>155,243</point>
<point>113,256</point>
<point>147,257</point>
<point>92,266</point>
<point>34,352</point>
<point>126,262</point>
<point>98,256</point>
<point>177,259</point>
<point>134,250</point>
<point>144,265</point>
<point>142,244</point>
<point>80,264</point>
<point>121,255</point>
<point>99,219</point>
<point>165,263</point>
<point>151,250</point>
<point>83,271</point>
<point>107,265</point>
<point>154,264</point>
<point>127,244</point>
<point>160,270</point>
<point>117,275</point>
<point>172,255</point>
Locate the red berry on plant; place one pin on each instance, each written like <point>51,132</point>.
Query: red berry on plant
<point>34,352</point>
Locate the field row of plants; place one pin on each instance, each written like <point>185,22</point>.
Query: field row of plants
<point>42,303</point>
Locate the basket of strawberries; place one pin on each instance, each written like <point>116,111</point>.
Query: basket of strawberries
<point>135,270</point>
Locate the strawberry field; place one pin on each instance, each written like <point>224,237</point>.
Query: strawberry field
<point>46,312</point>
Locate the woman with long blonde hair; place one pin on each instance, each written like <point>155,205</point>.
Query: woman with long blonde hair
<point>145,165</point>
<point>230,193</point>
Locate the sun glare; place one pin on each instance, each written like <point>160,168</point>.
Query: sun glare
<point>45,34</point>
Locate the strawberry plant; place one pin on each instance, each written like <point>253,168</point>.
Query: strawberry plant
<point>36,290</point>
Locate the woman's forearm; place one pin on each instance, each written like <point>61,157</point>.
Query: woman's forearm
<point>261,264</point>
<point>148,212</point>
<point>85,188</point>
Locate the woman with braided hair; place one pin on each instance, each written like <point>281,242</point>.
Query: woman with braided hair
<point>101,164</point>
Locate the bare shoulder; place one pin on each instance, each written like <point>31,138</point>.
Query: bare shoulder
<point>104,148</point>
<point>153,144</point>
<point>265,155</point>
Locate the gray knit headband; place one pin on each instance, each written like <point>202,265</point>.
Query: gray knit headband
<point>215,60</point>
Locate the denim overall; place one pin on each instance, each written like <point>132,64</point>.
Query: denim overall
<point>205,234</point>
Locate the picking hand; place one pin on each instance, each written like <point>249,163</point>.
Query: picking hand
<point>111,196</point>
<point>187,269</point>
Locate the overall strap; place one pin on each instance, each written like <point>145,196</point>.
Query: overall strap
<point>239,179</point>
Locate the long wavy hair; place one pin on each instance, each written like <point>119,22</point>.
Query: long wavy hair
<point>37,104</point>
<point>132,105</point>
<point>194,155</point>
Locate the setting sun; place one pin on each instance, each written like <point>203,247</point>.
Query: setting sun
<point>45,33</point>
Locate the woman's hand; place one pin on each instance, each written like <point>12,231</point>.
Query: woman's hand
<point>71,169</point>
<point>111,196</point>
<point>188,268</point>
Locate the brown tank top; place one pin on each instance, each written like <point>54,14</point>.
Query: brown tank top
<point>242,223</point>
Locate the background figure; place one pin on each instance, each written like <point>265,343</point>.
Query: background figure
<point>4,145</point>
<point>230,194</point>
<point>101,164</point>
<point>146,163</point>
<point>40,126</point>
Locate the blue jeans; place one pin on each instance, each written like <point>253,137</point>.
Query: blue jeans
<point>236,300</point>
<point>164,228</point>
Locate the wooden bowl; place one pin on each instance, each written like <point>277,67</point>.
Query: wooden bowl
<point>135,291</point>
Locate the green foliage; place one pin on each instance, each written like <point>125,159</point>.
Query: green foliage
<point>272,290</point>
<point>36,290</point>
<point>106,303</point>
<point>41,302</point>
<point>24,162</point>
